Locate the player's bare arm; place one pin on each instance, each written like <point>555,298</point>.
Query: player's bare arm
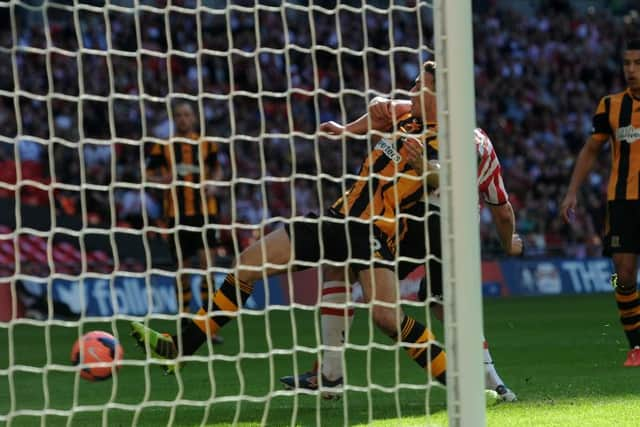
<point>583,166</point>
<point>380,116</point>
<point>360,126</point>
<point>504,219</point>
<point>384,111</point>
<point>332,128</point>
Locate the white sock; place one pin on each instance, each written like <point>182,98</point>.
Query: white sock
<point>492,379</point>
<point>334,323</point>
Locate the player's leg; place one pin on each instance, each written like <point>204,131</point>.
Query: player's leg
<point>191,246</point>
<point>207,284</point>
<point>492,379</point>
<point>622,243</point>
<point>380,290</point>
<point>417,249</point>
<point>183,249</point>
<point>274,249</point>
<point>184,293</point>
<point>207,259</point>
<point>158,345</point>
<point>628,301</point>
<point>335,320</point>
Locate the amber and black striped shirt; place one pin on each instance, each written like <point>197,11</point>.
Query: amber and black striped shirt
<point>194,163</point>
<point>618,118</point>
<point>387,183</point>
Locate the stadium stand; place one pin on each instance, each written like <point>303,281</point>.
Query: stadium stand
<point>534,99</point>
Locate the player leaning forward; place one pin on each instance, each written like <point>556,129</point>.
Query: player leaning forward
<point>411,246</point>
<point>336,237</point>
<point>343,236</point>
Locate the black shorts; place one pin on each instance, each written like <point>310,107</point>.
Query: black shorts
<point>332,238</point>
<point>622,227</point>
<point>413,244</point>
<point>192,241</point>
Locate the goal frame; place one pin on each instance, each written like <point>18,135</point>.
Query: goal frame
<point>453,39</point>
<point>461,248</point>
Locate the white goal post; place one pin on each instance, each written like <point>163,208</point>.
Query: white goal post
<point>460,222</point>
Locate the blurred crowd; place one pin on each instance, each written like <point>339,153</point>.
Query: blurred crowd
<point>86,93</point>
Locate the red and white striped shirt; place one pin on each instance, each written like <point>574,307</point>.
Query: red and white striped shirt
<point>490,183</point>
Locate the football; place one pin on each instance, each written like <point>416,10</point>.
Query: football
<point>94,351</point>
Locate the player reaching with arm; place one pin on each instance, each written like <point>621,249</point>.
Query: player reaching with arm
<point>617,119</point>
<point>493,194</point>
<point>335,321</point>
<point>342,237</point>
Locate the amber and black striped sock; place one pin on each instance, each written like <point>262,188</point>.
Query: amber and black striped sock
<point>194,332</point>
<point>413,332</point>
<point>628,302</point>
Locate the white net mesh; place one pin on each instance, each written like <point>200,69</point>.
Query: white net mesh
<point>87,93</point>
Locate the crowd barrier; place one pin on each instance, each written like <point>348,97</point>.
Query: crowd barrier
<point>141,295</point>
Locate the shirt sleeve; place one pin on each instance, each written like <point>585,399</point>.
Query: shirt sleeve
<point>493,190</point>
<point>601,127</point>
<point>490,183</point>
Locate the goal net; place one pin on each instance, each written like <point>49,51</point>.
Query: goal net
<point>94,97</point>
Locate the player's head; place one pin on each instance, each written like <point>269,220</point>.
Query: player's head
<point>184,118</point>
<point>423,92</point>
<point>631,64</point>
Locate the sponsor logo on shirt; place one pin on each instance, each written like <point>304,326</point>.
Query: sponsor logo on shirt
<point>628,134</point>
<point>389,150</point>
<point>184,169</point>
<point>615,241</point>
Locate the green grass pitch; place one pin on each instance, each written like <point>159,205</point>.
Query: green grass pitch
<point>562,355</point>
